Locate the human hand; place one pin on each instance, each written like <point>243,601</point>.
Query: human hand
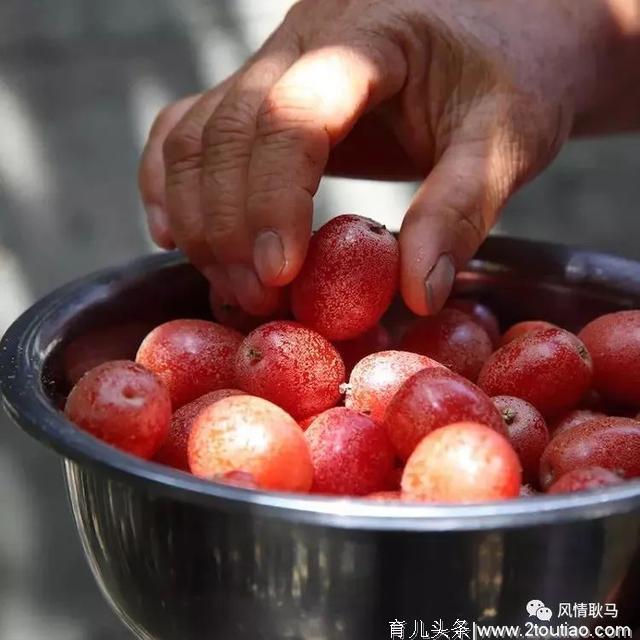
<point>474,98</point>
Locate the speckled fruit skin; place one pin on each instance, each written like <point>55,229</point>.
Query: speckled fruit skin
<point>527,432</point>
<point>252,435</point>
<point>123,404</point>
<point>348,279</point>
<point>351,453</point>
<point>611,443</point>
<point>584,479</point>
<point>465,462</point>
<point>192,357</point>
<point>614,343</point>
<point>173,451</point>
<point>452,338</point>
<point>372,341</point>
<point>385,496</point>
<point>234,316</point>
<point>481,314</point>
<point>524,328</point>
<point>376,379</point>
<point>291,366</point>
<point>431,399</point>
<point>550,369</point>
<point>573,419</point>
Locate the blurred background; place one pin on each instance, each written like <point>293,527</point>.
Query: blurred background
<point>80,83</point>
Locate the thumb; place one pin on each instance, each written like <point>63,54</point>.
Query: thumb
<point>449,217</point>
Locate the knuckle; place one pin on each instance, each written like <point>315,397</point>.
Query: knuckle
<point>230,122</point>
<point>182,149</point>
<point>287,108</point>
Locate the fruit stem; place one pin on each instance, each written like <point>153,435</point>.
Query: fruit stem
<point>255,355</point>
<point>508,415</point>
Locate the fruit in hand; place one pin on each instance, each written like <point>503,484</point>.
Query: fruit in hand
<point>551,369</point>
<point>291,366</point>
<point>348,279</point>
<point>462,462</point>
<point>191,357</point>
<point>123,404</point>
<point>452,338</point>
<point>253,436</point>
<point>431,399</point>
<point>351,453</point>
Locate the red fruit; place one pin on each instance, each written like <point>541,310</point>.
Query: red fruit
<point>292,366</point>
<point>376,378</point>
<point>527,432</point>
<point>451,338</point>
<point>123,404</point>
<point>593,401</point>
<point>573,419</point>
<point>373,341</point>
<point>393,480</point>
<point>584,479</point>
<point>525,328</point>
<point>237,479</point>
<point>614,343</point>
<point>611,443</point>
<point>173,451</point>
<point>351,454</point>
<point>305,423</point>
<point>234,316</point>
<point>462,462</point>
<point>248,434</point>
<point>385,496</point>
<point>551,369</point>
<point>191,357</point>
<point>481,314</point>
<point>431,399</point>
<point>348,279</point>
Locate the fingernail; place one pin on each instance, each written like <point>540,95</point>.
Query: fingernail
<point>158,221</point>
<point>438,283</point>
<point>268,256</point>
<point>246,287</point>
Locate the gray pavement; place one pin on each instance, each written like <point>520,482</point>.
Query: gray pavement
<point>79,82</point>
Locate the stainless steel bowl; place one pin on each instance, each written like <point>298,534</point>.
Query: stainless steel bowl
<point>180,558</point>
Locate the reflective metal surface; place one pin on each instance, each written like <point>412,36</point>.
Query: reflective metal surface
<point>181,558</point>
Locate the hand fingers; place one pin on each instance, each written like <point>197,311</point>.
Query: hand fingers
<point>182,150</point>
<point>452,212</point>
<point>311,108</point>
<point>227,143</point>
<point>151,171</point>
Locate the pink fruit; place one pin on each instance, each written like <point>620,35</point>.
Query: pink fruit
<point>191,357</point>
<point>250,435</point>
<point>573,419</point>
<point>123,404</point>
<point>173,451</point>
<point>348,279</point>
<point>376,378</point>
<point>291,366</point>
<point>462,462</point>
<point>351,454</point>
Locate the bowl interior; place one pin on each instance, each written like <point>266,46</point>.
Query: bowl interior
<point>105,316</point>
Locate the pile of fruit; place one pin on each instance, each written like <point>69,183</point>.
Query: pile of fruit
<point>326,399</point>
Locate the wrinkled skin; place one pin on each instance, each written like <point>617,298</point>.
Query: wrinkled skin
<point>474,98</point>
